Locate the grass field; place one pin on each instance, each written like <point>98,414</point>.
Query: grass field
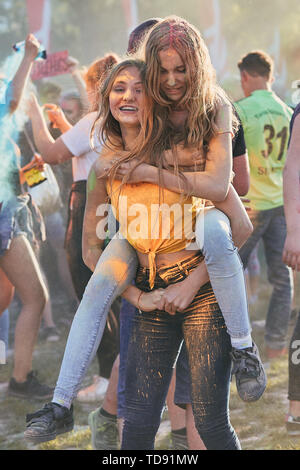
<point>260,425</point>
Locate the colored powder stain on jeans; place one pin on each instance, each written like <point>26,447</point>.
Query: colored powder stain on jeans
<point>117,267</point>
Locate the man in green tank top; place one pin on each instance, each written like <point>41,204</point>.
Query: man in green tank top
<point>265,119</point>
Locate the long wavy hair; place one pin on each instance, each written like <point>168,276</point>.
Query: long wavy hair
<point>107,129</point>
<point>203,96</point>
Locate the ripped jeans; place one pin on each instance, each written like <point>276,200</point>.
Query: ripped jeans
<point>116,270</point>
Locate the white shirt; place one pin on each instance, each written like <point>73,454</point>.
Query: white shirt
<point>77,140</point>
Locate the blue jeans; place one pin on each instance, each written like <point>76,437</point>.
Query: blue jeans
<point>226,275</point>
<point>127,313</point>
<point>227,278</point>
<point>225,271</point>
<point>182,394</point>
<point>154,345</point>
<point>114,269</point>
<point>270,226</point>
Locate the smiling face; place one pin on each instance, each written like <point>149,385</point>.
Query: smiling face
<point>127,98</point>
<point>172,74</point>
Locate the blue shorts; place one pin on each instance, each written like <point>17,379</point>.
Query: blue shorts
<point>20,216</point>
<point>182,394</point>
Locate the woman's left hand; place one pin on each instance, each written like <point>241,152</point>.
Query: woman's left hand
<point>176,297</point>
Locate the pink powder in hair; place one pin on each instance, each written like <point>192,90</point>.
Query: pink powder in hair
<point>171,34</point>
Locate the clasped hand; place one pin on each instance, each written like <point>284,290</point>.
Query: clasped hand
<point>175,298</point>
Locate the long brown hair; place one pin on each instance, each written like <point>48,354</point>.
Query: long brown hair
<point>107,128</point>
<point>203,97</point>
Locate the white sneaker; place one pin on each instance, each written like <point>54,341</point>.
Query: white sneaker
<point>94,392</point>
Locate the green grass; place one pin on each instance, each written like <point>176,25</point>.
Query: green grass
<point>260,425</point>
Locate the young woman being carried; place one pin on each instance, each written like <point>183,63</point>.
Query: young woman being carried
<point>107,283</point>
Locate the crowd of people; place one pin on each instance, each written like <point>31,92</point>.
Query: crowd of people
<point>153,160</point>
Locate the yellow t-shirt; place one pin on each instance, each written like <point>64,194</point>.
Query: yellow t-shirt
<point>152,219</point>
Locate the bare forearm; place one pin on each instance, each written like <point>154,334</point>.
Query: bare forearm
<point>132,294</point>
<point>202,184</point>
<point>42,137</point>
<point>18,84</point>
<point>198,277</point>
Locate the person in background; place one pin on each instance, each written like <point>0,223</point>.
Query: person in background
<point>51,254</point>
<point>74,145</point>
<point>20,228</point>
<point>265,119</point>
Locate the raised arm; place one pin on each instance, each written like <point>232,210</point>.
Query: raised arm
<point>16,88</point>
<point>52,151</point>
<point>291,195</point>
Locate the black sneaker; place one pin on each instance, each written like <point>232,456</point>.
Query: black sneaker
<point>31,388</point>
<point>292,425</point>
<point>45,424</point>
<point>249,373</point>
